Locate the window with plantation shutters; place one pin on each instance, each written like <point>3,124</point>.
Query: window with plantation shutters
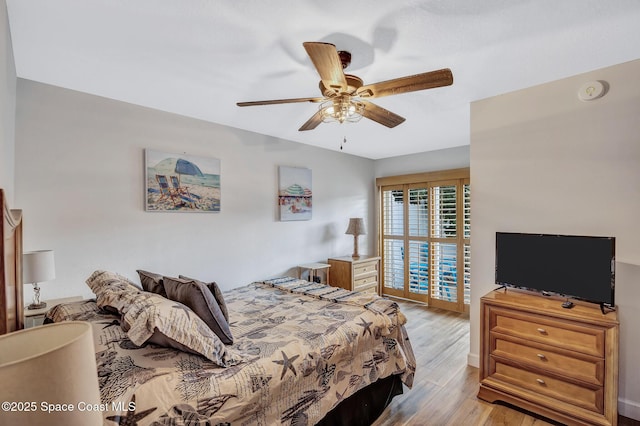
<point>425,223</point>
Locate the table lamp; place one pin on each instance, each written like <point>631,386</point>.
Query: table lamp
<point>50,373</point>
<point>356,227</point>
<point>37,266</point>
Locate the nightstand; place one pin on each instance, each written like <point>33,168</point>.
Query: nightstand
<point>35,317</point>
<point>356,274</point>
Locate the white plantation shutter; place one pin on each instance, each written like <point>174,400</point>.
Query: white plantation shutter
<point>419,212</point>
<point>393,264</point>
<point>443,211</point>
<point>443,269</point>
<point>393,243</point>
<point>393,212</point>
<point>418,267</point>
<point>466,203</point>
<point>467,274</point>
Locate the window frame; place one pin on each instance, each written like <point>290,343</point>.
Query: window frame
<point>459,178</point>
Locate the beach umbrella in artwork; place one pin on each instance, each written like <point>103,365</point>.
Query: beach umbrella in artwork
<point>186,167</point>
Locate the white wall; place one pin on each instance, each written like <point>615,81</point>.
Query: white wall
<point>543,161</point>
<point>443,159</point>
<point>79,181</point>
<point>7,106</point>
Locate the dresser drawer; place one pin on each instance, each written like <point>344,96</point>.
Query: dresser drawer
<point>571,336</point>
<point>585,368</point>
<point>366,268</point>
<point>368,288</point>
<point>588,398</point>
<point>366,282</point>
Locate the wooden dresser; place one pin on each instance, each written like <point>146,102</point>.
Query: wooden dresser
<point>360,274</point>
<point>560,363</point>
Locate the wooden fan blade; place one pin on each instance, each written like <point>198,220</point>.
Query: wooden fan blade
<point>381,115</point>
<point>279,101</point>
<point>313,122</point>
<point>327,61</point>
<point>412,83</point>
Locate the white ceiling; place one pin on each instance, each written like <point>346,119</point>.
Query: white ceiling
<point>199,57</point>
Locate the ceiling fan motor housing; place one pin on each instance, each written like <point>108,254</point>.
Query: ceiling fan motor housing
<point>345,58</point>
<point>353,83</point>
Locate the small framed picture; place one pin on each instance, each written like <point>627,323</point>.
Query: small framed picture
<point>294,193</point>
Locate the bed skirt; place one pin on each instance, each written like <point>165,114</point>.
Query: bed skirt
<point>366,405</point>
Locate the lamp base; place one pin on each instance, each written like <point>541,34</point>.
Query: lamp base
<point>37,305</point>
<point>355,254</point>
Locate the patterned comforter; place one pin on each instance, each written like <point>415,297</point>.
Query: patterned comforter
<point>306,346</point>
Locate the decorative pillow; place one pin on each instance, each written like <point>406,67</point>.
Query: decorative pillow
<point>197,296</point>
<point>217,294</point>
<point>150,318</point>
<point>112,290</point>
<point>152,282</point>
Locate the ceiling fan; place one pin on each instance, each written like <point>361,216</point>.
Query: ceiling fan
<point>345,95</point>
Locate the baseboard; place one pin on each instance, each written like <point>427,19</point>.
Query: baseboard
<point>630,409</point>
<point>473,360</point>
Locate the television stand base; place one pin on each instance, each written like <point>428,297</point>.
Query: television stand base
<point>605,309</point>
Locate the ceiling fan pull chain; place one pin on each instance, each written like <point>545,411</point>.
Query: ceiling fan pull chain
<point>344,140</point>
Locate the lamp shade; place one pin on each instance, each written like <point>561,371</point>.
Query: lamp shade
<point>51,371</point>
<point>356,226</point>
<point>38,266</point>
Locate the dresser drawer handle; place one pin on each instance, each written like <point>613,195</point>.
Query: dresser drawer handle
<point>542,331</point>
<point>540,381</point>
<point>541,356</point>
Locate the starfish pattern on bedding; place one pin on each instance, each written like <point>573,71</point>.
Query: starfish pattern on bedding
<point>366,326</point>
<point>287,364</point>
<point>306,320</point>
<point>131,418</point>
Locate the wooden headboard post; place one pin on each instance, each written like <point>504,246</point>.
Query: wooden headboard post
<point>11,300</point>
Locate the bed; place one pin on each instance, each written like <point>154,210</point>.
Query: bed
<point>302,354</point>
<point>305,348</point>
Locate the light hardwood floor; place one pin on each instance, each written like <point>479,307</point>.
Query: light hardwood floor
<point>445,387</point>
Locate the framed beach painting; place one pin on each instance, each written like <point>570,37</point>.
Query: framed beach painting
<point>181,183</point>
<point>294,193</point>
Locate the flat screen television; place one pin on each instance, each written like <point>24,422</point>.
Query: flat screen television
<point>579,267</point>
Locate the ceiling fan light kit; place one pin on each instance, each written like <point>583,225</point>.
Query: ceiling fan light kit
<point>344,95</point>
<point>341,109</point>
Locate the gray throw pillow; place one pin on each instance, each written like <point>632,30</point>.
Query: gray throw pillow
<point>197,296</point>
<point>151,318</point>
<point>152,282</point>
<point>217,293</point>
